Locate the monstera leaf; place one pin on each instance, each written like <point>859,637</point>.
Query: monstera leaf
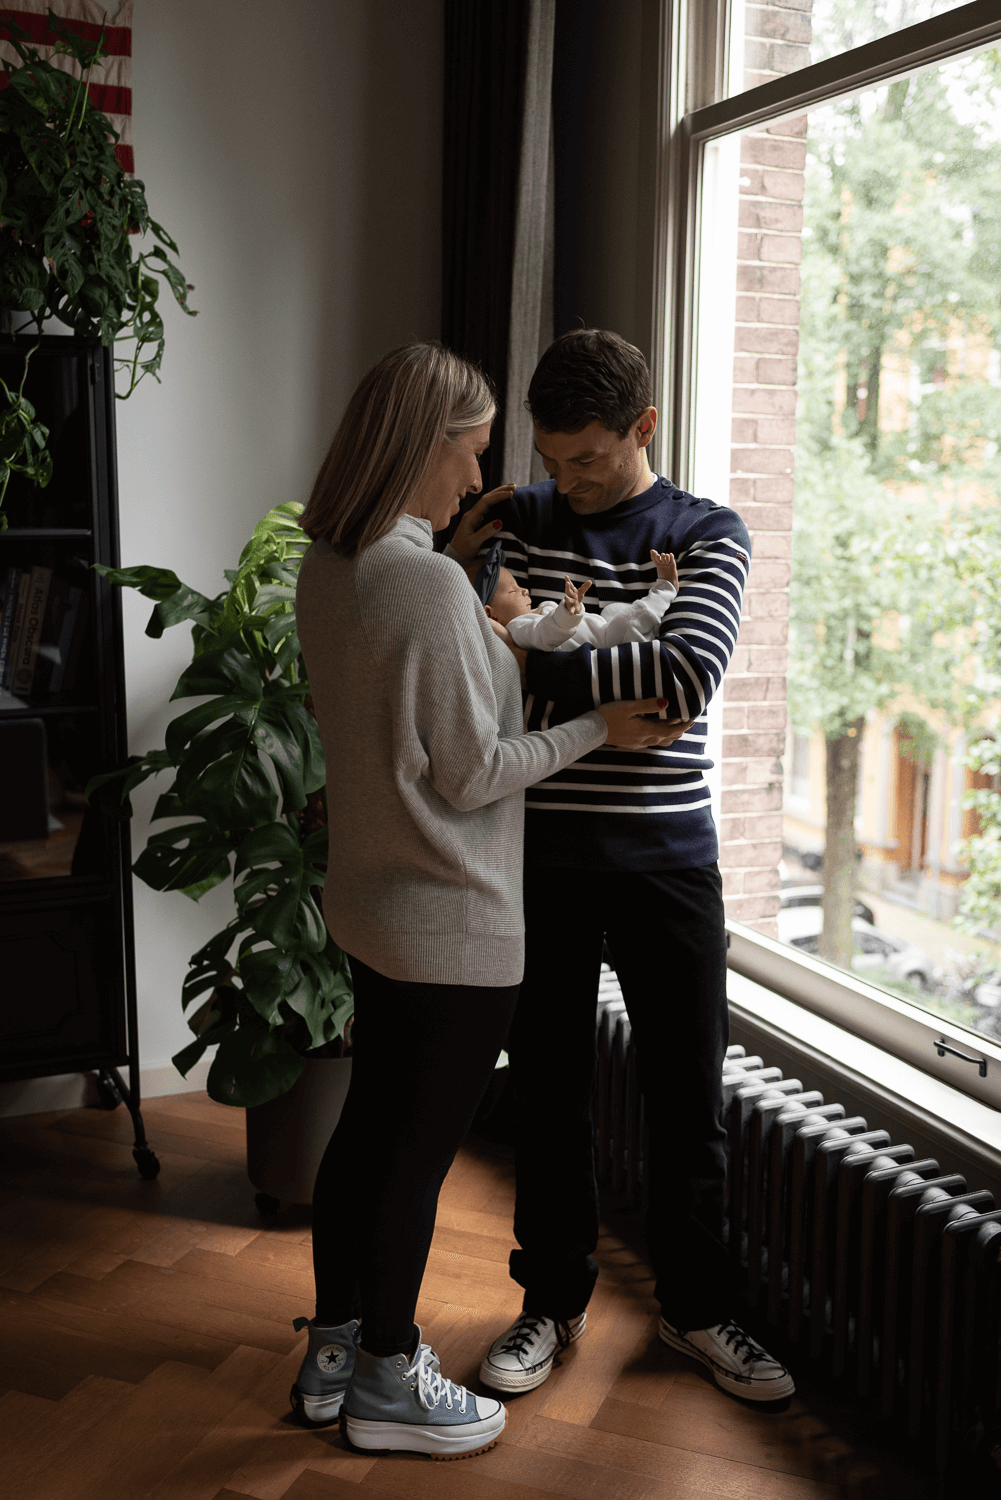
<point>275,877</point>
<point>247,799</point>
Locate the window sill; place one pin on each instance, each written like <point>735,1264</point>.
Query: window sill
<point>891,1024</point>
<point>961,1132</point>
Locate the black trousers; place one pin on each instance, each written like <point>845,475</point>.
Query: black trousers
<point>423,1056</point>
<point>667,939</point>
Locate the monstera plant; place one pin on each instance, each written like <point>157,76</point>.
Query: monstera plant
<point>69,218</point>
<point>247,800</point>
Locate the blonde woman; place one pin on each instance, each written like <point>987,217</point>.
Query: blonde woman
<point>419,708</point>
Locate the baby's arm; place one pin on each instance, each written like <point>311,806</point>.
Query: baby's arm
<point>640,621</point>
<point>666,567</point>
<point>546,630</point>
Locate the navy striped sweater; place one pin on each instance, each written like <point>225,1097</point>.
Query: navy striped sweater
<point>629,809</point>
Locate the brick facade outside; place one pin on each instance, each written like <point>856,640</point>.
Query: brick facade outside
<point>762,462</point>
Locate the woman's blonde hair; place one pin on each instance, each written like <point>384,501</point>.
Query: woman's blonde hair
<point>414,399</point>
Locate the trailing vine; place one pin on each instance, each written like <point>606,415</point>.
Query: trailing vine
<point>68,219</point>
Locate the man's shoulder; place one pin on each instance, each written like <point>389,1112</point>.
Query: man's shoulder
<point>695,518</point>
<point>531,502</point>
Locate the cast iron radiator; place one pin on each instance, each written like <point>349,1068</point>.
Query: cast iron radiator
<point>878,1264</point>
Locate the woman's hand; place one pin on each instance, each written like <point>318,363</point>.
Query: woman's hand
<point>471,534</point>
<point>630,731</point>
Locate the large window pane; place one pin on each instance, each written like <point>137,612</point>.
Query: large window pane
<point>860,250</point>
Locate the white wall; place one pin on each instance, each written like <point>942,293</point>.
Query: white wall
<point>295,157</point>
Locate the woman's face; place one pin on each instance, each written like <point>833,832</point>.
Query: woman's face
<point>454,472</point>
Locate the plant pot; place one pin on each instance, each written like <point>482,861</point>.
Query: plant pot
<point>286,1137</point>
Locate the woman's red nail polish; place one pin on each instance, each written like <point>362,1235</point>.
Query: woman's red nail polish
<point>498,525</point>
<point>661,702</point>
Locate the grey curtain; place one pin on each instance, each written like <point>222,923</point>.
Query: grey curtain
<point>498,197</point>
<point>531,324</point>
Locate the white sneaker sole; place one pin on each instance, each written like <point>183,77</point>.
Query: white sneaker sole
<point>526,1380</point>
<point>317,1409</point>
<point>461,1441</point>
<point>727,1380</point>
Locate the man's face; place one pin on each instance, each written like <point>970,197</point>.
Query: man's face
<point>595,468</point>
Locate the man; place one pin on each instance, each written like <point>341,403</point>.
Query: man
<point>621,847</point>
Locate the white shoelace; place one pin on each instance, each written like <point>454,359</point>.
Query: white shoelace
<point>432,1386</point>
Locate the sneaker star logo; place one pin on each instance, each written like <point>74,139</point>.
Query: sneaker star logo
<point>331,1358</point>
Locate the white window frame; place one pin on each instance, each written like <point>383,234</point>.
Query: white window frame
<point>691,29</point>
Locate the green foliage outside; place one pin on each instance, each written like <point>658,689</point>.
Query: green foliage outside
<point>68,217</point>
<point>980,908</point>
<point>897,542</point>
<point>249,786</point>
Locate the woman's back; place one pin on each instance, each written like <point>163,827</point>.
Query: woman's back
<point>413,693</point>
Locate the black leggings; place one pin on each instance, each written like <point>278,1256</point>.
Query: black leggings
<point>423,1056</point>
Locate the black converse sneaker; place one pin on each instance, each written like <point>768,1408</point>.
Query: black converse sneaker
<point>523,1356</point>
<point>738,1364</point>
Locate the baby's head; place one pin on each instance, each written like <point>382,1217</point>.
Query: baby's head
<point>502,597</point>
<point>509,599</point>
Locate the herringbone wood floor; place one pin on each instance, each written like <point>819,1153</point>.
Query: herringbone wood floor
<point>147,1346</point>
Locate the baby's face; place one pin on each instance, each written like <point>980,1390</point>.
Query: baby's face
<point>509,600</point>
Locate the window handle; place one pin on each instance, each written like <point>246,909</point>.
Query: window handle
<point>942,1047</point>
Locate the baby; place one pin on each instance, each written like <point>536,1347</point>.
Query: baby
<point>565,626</point>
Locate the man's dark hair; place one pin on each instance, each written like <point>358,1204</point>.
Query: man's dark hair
<point>589,375</point>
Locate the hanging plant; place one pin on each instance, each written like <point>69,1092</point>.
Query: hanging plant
<point>68,219</point>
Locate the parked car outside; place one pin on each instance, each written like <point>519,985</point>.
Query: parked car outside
<point>813,895</point>
<point>801,926</point>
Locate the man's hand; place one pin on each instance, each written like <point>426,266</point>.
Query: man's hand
<point>572,596</point>
<point>666,566</point>
<point>628,730</point>
<point>471,534</point>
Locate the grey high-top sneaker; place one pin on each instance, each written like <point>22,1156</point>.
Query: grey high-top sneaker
<point>325,1372</point>
<point>406,1403</point>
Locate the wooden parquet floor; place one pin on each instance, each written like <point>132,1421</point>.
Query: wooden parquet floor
<point>147,1346</point>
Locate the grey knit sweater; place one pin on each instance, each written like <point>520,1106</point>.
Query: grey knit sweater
<point>419,708</point>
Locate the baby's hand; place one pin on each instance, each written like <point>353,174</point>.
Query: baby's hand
<point>666,567</point>
<point>572,596</point>
<point>471,534</point>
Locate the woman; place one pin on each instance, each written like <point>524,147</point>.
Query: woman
<point>419,708</point>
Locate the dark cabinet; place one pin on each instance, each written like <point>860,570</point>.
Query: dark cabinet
<point>67,969</point>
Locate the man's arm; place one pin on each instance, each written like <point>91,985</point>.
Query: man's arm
<point>686,663</point>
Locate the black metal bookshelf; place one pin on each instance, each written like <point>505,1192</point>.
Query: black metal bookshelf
<point>67,956</point>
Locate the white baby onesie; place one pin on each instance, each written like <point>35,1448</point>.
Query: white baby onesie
<point>554,629</point>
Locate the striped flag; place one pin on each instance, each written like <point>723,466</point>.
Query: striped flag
<point>110,88</point>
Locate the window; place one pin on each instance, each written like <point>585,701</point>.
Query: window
<point>838,312</point>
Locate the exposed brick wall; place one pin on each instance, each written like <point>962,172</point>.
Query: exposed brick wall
<point>762,461</point>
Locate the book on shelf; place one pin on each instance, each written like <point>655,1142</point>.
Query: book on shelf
<point>62,637</point>
<point>16,586</point>
<point>43,623</point>
<point>28,628</point>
